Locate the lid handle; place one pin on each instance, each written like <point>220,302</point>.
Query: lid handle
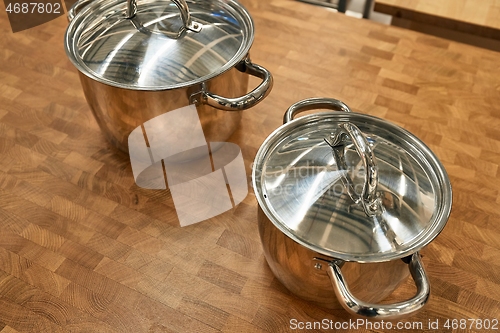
<point>368,197</point>
<point>187,23</point>
<point>131,9</point>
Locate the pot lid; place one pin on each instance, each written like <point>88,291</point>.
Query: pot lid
<point>351,186</point>
<point>158,45</point>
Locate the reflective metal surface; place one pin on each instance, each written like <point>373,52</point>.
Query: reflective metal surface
<point>300,186</point>
<point>75,9</point>
<point>296,267</point>
<point>369,196</point>
<point>135,69</point>
<point>158,47</point>
<point>315,177</point>
<point>241,102</point>
<point>119,111</point>
<point>131,9</point>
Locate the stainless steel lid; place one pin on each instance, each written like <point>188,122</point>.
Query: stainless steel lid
<point>351,186</point>
<point>157,45</point>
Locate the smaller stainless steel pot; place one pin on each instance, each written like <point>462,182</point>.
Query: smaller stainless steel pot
<point>137,61</point>
<point>346,201</point>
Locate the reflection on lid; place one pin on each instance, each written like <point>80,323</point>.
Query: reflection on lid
<point>305,192</point>
<point>152,50</point>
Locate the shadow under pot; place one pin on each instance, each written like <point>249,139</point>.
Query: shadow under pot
<point>137,61</point>
<point>346,202</point>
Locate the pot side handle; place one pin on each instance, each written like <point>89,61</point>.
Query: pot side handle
<point>244,102</point>
<point>314,104</point>
<point>394,311</point>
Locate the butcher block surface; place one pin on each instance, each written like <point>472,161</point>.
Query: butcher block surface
<point>84,249</point>
<point>483,14</point>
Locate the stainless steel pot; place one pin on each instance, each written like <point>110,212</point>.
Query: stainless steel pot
<point>138,61</point>
<point>346,202</point>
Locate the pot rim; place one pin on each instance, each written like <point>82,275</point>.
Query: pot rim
<point>439,219</point>
<point>75,28</point>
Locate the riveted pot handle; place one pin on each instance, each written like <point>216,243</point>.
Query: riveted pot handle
<point>77,6</point>
<point>314,104</point>
<point>186,16</point>
<point>244,102</point>
<point>393,311</point>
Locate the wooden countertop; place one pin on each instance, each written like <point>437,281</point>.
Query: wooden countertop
<point>82,249</point>
<point>467,16</point>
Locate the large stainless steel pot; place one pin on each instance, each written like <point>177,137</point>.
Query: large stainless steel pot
<point>346,201</point>
<point>138,61</point>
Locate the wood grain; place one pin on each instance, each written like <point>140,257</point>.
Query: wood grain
<point>460,10</point>
<point>460,20</point>
<point>84,249</point>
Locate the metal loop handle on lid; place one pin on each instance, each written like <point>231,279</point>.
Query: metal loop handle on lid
<point>346,130</point>
<point>368,197</point>
<point>187,23</point>
<point>131,9</point>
